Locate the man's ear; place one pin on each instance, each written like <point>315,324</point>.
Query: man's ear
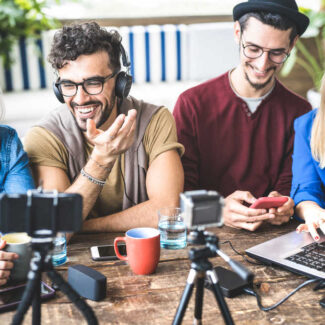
<point>293,43</point>
<point>237,32</point>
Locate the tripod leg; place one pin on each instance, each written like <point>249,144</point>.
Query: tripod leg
<point>199,298</point>
<point>36,314</point>
<point>25,301</point>
<point>185,298</point>
<point>219,297</point>
<point>74,297</point>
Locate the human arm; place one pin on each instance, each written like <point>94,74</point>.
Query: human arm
<point>186,124</point>
<point>237,215</point>
<point>164,182</point>
<point>6,263</point>
<point>164,178</point>
<point>108,146</point>
<point>19,178</point>
<point>307,185</point>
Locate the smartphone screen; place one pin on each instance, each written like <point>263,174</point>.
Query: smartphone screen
<point>10,297</point>
<point>108,250</point>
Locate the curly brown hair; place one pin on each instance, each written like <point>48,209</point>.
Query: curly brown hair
<point>72,41</point>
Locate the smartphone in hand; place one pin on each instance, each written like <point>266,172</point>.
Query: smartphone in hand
<point>269,202</point>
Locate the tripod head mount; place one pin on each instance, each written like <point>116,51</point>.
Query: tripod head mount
<point>202,237</point>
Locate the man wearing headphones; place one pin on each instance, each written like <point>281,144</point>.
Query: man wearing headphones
<point>121,154</point>
<point>237,129</point>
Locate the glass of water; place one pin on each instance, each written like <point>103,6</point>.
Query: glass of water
<point>59,252</point>
<point>172,228</point>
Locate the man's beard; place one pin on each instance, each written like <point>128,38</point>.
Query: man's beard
<point>259,86</point>
<point>107,111</point>
<point>104,115</point>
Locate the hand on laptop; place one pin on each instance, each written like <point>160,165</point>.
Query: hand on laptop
<point>283,213</point>
<point>314,217</point>
<point>237,215</point>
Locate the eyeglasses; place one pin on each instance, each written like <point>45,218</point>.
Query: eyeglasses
<point>252,51</point>
<point>92,86</point>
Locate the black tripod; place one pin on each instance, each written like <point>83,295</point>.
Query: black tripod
<point>42,261</point>
<point>42,244</point>
<point>201,268</point>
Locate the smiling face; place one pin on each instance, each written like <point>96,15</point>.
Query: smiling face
<point>82,105</point>
<point>259,74</point>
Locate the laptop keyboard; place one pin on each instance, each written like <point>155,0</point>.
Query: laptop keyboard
<point>312,255</point>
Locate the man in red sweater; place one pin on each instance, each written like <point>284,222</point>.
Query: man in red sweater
<point>237,129</point>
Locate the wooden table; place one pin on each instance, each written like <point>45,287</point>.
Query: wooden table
<point>153,299</point>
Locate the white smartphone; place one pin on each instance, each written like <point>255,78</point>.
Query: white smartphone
<point>106,252</point>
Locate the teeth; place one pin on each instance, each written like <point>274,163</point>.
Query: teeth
<point>259,71</point>
<point>85,110</point>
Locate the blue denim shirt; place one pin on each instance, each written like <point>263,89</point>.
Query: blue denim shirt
<point>308,179</point>
<point>15,175</point>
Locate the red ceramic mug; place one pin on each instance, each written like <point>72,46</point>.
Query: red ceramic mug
<point>142,249</point>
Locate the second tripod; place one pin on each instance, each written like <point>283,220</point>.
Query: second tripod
<point>202,268</point>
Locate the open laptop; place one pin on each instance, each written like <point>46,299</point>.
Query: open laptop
<point>295,252</point>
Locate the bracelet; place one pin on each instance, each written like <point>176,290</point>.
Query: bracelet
<point>92,179</point>
<point>99,165</point>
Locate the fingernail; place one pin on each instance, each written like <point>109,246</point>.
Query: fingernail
<point>316,238</point>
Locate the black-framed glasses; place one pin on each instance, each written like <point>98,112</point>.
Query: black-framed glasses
<point>253,51</point>
<point>92,86</point>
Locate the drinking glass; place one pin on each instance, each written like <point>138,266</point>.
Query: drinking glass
<point>172,228</point>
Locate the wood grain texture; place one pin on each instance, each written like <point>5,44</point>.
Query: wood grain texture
<point>153,299</point>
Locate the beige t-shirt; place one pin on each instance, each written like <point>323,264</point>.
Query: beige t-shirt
<point>45,149</point>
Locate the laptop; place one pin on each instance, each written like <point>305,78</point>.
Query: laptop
<point>295,252</point>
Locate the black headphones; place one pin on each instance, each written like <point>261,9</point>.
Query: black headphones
<point>123,80</point>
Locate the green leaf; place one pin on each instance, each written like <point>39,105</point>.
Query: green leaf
<point>22,18</point>
<point>314,64</point>
<point>290,63</point>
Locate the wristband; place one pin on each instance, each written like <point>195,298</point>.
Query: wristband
<point>99,165</point>
<point>92,179</point>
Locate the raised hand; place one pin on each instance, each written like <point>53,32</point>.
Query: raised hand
<point>119,137</point>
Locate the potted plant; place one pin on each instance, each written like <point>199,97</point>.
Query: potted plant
<point>20,19</point>
<point>313,62</point>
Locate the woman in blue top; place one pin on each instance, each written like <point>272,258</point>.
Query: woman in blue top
<point>15,177</point>
<point>308,169</point>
